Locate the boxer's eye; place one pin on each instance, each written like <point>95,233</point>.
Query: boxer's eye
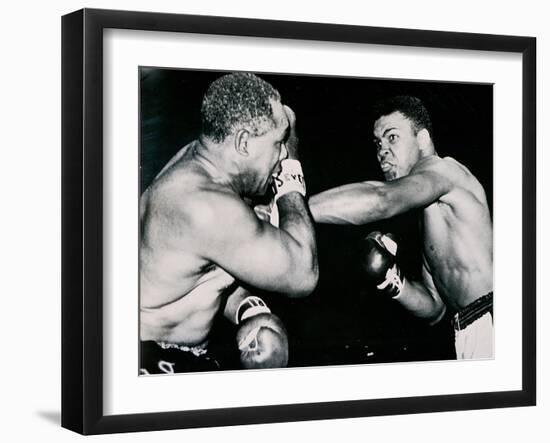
<point>392,138</point>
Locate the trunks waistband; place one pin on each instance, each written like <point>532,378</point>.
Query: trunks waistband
<point>158,358</point>
<point>473,311</point>
<point>195,350</point>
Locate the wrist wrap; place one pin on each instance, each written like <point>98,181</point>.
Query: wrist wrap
<point>250,307</point>
<point>291,179</point>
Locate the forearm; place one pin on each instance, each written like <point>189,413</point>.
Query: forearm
<point>296,221</point>
<point>233,301</point>
<point>415,298</point>
<point>356,204</point>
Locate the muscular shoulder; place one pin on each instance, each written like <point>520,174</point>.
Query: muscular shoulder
<point>430,178</point>
<point>462,183</point>
<point>218,222</point>
<point>446,170</point>
<point>461,176</point>
<point>203,217</point>
<point>446,166</point>
<point>214,206</point>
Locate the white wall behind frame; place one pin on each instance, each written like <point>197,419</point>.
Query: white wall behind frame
<point>30,180</point>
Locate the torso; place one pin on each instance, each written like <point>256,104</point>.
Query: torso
<point>458,240</point>
<point>180,292</point>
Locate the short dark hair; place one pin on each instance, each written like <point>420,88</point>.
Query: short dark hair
<point>235,101</point>
<point>411,107</point>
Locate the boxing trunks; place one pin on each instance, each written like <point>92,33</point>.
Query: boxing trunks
<point>473,327</point>
<point>168,358</point>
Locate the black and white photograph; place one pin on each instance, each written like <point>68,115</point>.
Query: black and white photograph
<point>242,221</point>
<point>296,219</point>
<point>290,220</point>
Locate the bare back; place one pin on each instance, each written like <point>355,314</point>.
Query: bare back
<point>180,292</point>
<point>458,239</point>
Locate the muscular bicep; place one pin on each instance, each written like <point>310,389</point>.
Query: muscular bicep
<point>416,190</point>
<point>249,249</point>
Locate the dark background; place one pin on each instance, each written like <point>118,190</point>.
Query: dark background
<point>343,321</point>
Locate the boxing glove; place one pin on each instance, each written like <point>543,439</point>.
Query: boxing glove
<point>379,264</point>
<point>261,337</point>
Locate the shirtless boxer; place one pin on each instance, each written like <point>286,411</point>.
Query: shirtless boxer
<point>457,271</point>
<point>201,242</point>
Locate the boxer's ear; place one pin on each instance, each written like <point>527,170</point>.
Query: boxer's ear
<point>241,142</point>
<point>424,139</point>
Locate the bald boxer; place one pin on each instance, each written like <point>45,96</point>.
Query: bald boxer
<point>201,243</point>
<point>457,271</point>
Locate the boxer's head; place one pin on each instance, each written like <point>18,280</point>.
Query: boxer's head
<point>402,135</point>
<point>245,113</point>
<point>237,101</point>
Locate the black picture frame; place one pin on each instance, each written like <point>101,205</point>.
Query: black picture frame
<point>82,220</point>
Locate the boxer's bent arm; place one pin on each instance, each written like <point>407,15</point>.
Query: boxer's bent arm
<point>227,232</point>
<point>361,203</point>
<point>295,219</point>
<point>233,301</point>
<point>417,299</point>
<point>423,299</point>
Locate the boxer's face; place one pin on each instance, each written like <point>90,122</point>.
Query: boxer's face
<point>268,150</point>
<point>397,147</point>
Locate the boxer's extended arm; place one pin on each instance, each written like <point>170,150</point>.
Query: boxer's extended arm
<point>361,203</point>
<point>355,203</point>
